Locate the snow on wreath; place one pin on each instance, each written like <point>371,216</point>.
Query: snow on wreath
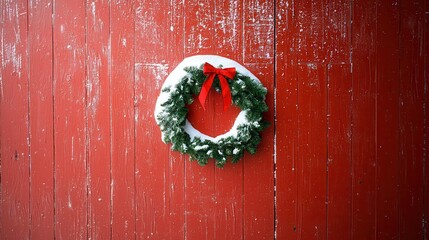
<point>195,76</point>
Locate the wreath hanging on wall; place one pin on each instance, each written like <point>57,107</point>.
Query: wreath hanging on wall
<point>196,75</point>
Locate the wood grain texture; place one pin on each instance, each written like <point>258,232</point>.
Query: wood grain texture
<point>69,120</point>
<point>387,138</point>
<point>426,161</point>
<point>228,15</point>
<point>411,122</point>
<point>339,151</point>
<point>123,185</point>
<point>41,119</point>
<point>364,160</point>
<point>159,174</point>
<point>15,184</point>
<point>258,168</point>
<point>98,118</point>
<point>200,181</point>
<point>312,149</point>
<point>286,124</point>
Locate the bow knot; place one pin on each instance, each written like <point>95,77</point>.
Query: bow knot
<point>211,72</point>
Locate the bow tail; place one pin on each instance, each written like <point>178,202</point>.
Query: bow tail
<point>205,89</point>
<point>226,92</point>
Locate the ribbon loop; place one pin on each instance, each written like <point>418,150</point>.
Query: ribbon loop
<point>211,72</point>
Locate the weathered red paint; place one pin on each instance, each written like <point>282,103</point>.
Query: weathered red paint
<point>122,124</point>
<point>345,156</point>
<point>70,138</point>
<point>97,112</point>
<point>15,187</point>
<point>41,120</point>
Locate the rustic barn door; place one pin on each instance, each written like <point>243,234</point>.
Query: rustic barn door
<point>345,156</point>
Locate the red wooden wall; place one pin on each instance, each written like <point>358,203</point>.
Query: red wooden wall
<point>344,158</point>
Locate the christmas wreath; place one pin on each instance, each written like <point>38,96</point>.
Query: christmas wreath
<point>196,75</point>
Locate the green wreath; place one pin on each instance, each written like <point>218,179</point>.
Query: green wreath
<point>179,90</point>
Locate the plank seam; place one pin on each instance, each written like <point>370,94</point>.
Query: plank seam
<point>28,122</point>
<point>328,114</point>
<point>86,144</point>
<point>53,122</point>
<point>110,120</point>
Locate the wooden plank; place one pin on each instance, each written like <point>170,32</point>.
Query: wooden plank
<point>258,48</point>
<point>177,161</point>
<point>1,111</point>
<point>337,35</point>
<point>41,120</point>
<point>312,127</point>
<point>122,15</point>
<point>228,209</point>
<point>387,117</point>
<point>364,125</point>
<point>258,209</point>
<point>411,121</point>
<point>152,176</point>
<point>310,40</point>
<point>286,137</point>
<point>159,175</point>
<point>426,163</point>
<point>69,120</point>
<point>258,31</point>
<point>198,27</point>
<point>339,141</point>
<point>98,118</point>
<point>228,19</point>
<point>15,188</point>
<point>339,122</point>
<point>200,181</point>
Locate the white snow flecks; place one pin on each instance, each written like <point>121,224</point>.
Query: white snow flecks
<point>93,84</point>
<point>13,57</point>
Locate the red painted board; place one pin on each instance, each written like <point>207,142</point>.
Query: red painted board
<point>14,205</point>
<point>228,209</point>
<point>198,27</point>
<point>309,39</point>
<point>151,174</point>
<point>200,181</point>
<point>387,119</point>
<point>258,199</point>
<point>228,19</point>
<point>122,15</point>
<point>258,33</point>
<point>338,31</point>
<point>426,163</point>
<point>98,116</point>
<point>411,121</point>
<point>1,112</point>
<point>337,35</point>
<point>337,19</point>
<point>312,103</point>
<point>176,160</point>
<point>159,175</point>
<point>364,124</point>
<point>69,120</point>
<point>286,136</point>
<point>339,139</point>
<point>41,120</point>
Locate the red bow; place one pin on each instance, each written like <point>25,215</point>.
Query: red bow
<point>211,73</point>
